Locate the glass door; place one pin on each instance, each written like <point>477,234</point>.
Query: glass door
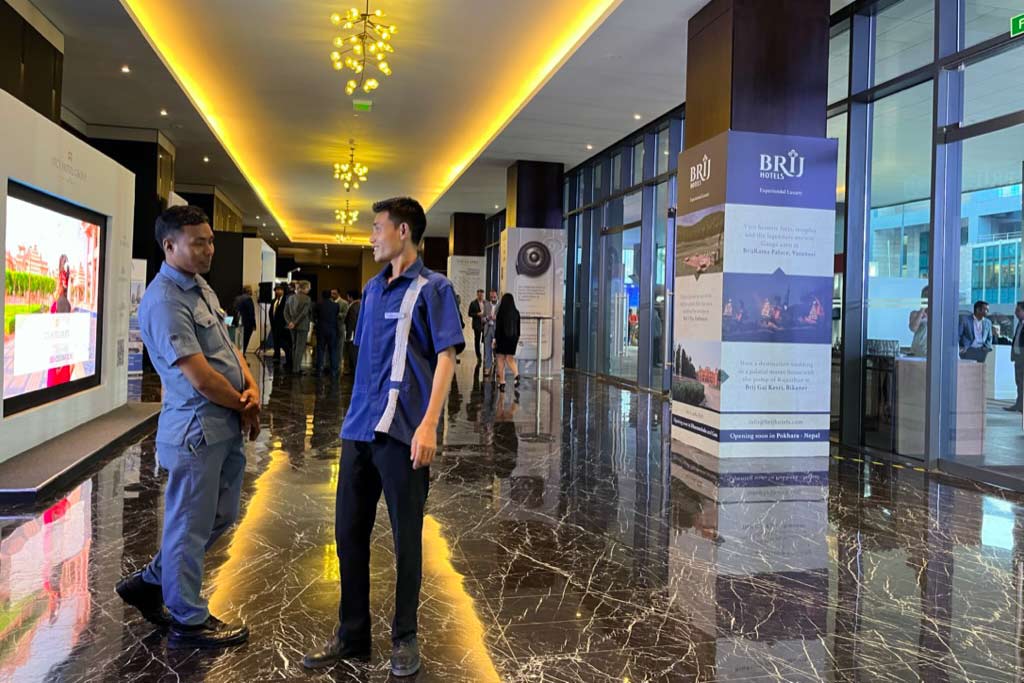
<point>620,319</point>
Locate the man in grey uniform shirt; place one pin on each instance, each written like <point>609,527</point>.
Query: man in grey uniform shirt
<point>209,398</point>
<point>298,314</point>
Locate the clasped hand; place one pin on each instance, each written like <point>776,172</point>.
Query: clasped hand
<point>250,400</point>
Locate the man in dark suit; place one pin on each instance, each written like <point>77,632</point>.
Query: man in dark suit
<point>245,309</point>
<point>476,316</point>
<point>279,327</point>
<point>976,334</point>
<point>326,321</point>
<point>1017,356</point>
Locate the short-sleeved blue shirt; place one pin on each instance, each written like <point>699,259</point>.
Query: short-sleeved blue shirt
<point>180,316</point>
<point>380,403</point>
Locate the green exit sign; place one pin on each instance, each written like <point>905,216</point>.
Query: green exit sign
<point>1017,26</point>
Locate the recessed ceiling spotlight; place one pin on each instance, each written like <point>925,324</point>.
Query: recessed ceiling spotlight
<point>163,112</point>
<point>126,69</point>
<point>637,116</point>
<point>264,225</point>
<point>590,146</point>
<point>206,160</point>
<point>496,206</point>
<point>257,217</point>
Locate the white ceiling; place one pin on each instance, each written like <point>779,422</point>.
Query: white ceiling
<point>100,37</point>
<point>635,63</point>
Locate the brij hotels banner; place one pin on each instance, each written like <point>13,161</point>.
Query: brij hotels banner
<point>753,295</point>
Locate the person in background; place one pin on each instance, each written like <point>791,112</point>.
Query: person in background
<point>351,320</point>
<point>976,334</point>
<point>476,317</point>
<point>279,326</point>
<point>918,324</point>
<point>209,399</point>
<point>297,314</point>
<point>490,308</point>
<point>61,304</point>
<point>245,310</point>
<point>327,335</point>
<point>506,339</point>
<point>408,333</point>
<point>1017,356</point>
<point>343,304</point>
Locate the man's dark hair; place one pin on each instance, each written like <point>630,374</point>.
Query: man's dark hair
<point>278,286</point>
<point>353,294</point>
<point>1020,305</point>
<point>175,218</point>
<point>978,305</point>
<point>326,294</point>
<point>404,210</point>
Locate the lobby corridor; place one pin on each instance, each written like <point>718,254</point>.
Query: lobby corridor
<point>565,542</point>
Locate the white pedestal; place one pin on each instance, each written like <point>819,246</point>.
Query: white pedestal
<point>911,380</point>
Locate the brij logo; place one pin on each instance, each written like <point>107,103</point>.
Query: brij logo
<point>700,173</point>
<point>782,166</point>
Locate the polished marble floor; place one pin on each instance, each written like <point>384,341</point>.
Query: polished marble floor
<point>567,540</point>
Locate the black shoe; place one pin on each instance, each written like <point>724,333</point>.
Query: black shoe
<point>1012,409</point>
<point>517,382</point>
<point>211,634</point>
<point>405,658</point>
<point>501,387</point>
<point>148,598</point>
<point>335,650</point>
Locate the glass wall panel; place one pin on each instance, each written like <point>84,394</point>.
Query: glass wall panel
<point>839,66</point>
<point>988,420</point>
<point>638,162</point>
<point>598,177</point>
<point>663,151</point>
<point>984,19</point>
<point>994,86</point>
<point>631,209</point>
<point>620,316</point>
<point>904,38</point>
<point>837,128</point>
<point>592,223</point>
<point>899,238</point>
<point>616,172</point>
<point>659,339</point>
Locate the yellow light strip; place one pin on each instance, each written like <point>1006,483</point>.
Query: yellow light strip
<point>590,17</point>
<point>161,44</point>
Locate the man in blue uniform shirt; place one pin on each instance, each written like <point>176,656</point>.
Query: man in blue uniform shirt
<point>209,399</point>
<point>408,334</point>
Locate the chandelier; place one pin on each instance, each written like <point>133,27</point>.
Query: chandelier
<point>347,216</point>
<point>351,172</point>
<point>370,43</point>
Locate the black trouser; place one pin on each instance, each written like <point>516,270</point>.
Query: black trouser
<point>283,342</point>
<point>477,335</point>
<point>247,335</point>
<point>366,468</point>
<point>1018,374</point>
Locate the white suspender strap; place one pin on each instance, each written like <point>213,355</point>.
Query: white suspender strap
<point>398,358</point>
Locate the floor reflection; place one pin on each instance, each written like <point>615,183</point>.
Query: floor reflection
<point>567,540</point>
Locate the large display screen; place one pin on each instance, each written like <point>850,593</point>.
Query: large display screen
<point>52,298</point>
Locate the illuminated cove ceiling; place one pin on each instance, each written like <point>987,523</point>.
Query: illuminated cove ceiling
<point>260,75</point>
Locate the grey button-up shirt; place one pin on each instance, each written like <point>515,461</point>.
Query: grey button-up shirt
<point>180,316</point>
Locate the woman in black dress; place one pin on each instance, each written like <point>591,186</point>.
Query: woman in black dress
<point>506,339</point>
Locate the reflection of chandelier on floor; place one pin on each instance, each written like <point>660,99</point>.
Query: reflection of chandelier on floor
<point>351,172</point>
<point>372,42</point>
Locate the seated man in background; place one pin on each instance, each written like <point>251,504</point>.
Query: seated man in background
<point>976,334</point>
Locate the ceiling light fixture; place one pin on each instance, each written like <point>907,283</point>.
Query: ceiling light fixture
<point>126,69</point>
<point>351,172</point>
<point>163,112</point>
<point>495,206</point>
<point>347,216</point>
<point>371,42</point>
<point>589,147</point>
<point>206,160</point>
<point>637,116</point>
